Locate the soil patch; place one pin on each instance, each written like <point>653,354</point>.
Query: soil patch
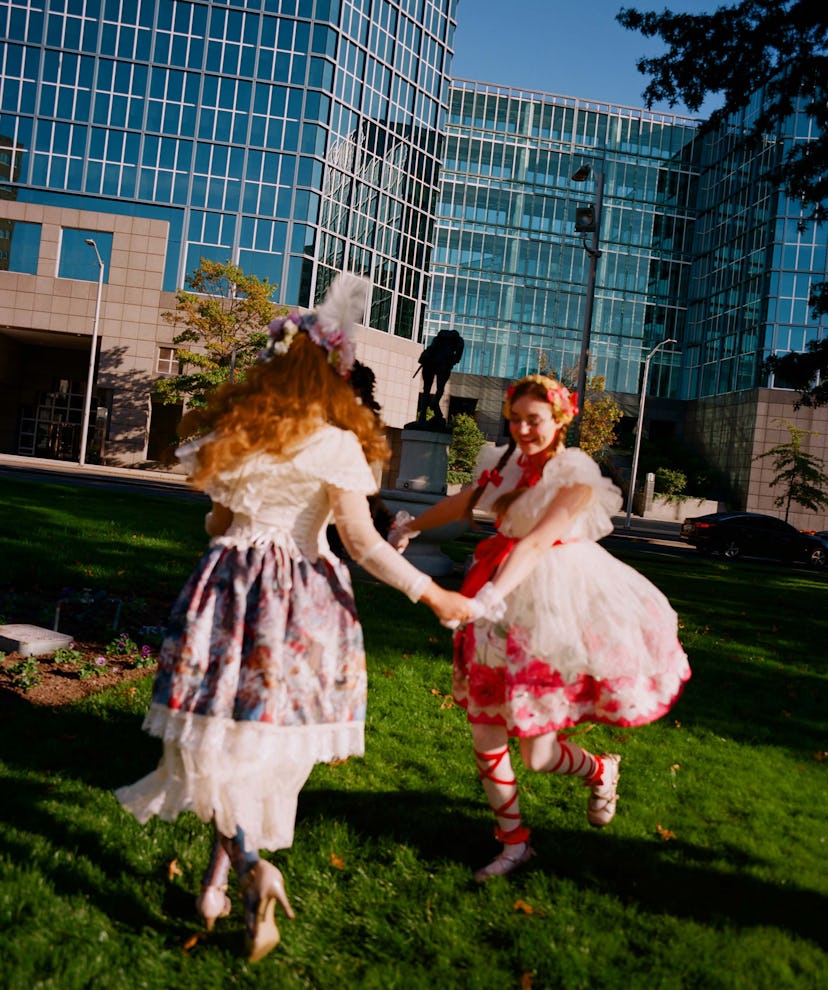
<point>101,656</point>
<point>61,684</point>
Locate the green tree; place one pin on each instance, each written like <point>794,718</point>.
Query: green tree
<point>601,414</point>
<point>781,45</point>
<point>466,441</point>
<point>222,325</point>
<point>798,473</point>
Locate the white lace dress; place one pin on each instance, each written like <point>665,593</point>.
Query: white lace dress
<point>262,671</point>
<point>585,637</point>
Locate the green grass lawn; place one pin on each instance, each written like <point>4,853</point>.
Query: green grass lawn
<point>713,874</point>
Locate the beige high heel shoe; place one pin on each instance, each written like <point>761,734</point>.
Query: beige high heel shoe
<point>261,888</point>
<point>213,903</point>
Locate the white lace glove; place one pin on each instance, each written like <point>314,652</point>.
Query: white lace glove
<point>368,549</point>
<point>402,530</point>
<point>487,604</point>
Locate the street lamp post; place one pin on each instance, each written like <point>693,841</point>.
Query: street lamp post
<point>641,401</point>
<point>590,223</point>
<point>87,404</point>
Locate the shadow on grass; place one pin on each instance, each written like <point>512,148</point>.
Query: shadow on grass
<point>82,750</point>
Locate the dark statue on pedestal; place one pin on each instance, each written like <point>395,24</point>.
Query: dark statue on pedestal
<point>436,362</point>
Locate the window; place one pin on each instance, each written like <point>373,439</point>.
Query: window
<point>167,363</point>
<point>77,258</point>
<point>19,246</point>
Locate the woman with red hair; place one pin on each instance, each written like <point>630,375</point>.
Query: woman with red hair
<point>262,671</point>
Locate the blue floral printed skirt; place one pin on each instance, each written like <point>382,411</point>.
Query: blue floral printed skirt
<point>261,675</point>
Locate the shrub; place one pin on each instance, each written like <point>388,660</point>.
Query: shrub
<point>466,441</point>
<point>670,483</point>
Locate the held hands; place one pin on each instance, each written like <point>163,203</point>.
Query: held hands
<point>450,607</point>
<point>487,604</point>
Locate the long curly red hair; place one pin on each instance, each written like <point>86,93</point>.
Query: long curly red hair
<point>280,402</point>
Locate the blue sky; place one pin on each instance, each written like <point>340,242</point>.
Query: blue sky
<point>566,47</point>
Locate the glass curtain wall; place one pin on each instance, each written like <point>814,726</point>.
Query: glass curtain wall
<point>291,136</point>
<point>509,271</point>
<point>756,260</point>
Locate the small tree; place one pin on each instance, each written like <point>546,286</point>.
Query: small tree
<point>799,473</point>
<point>601,414</point>
<point>224,321</point>
<point>466,441</point>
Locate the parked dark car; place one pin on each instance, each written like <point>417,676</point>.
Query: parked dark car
<point>751,534</point>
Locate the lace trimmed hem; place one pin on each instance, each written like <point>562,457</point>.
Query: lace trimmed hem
<point>236,774</point>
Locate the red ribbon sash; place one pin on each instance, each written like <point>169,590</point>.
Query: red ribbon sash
<point>488,556</point>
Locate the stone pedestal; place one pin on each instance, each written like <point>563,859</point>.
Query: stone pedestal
<point>423,461</point>
<point>422,483</point>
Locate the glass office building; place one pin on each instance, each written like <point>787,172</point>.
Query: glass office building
<point>510,271</point>
<point>756,259</point>
<point>295,137</point>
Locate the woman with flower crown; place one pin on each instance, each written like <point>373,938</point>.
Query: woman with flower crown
<point>562,632</point>
<point>262,671</point>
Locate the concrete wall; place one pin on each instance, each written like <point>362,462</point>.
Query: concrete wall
<point>46,326</point>
<point>732,431</point>
<point>46,311</point>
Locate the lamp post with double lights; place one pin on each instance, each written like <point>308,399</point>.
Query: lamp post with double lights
<point>588,221</point>
<point>87,403</point>
<point>642,399</point>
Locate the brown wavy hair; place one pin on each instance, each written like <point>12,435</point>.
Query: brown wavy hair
<point>280,402</point>
<point>536,389</point>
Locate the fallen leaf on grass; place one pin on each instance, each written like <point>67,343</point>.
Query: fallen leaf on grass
<point>173,869</point>
<point>526,981</point>
<point>526,908</point>
<point>437,691</point>
<point>821,757</point>
<point>193,941</point>
<point>388,673</point>
<point>337,861</point>
<point>447,702</point>
<point>665,833</point>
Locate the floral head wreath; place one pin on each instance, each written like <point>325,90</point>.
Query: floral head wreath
<point>329,326</point>
<point>564,403</point>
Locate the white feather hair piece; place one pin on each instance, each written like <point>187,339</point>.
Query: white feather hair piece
<point>344,303</point>
<point>342,307</point>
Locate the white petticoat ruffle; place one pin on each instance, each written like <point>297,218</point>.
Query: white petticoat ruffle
<point>587,613</point>
<point>236,774</point>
